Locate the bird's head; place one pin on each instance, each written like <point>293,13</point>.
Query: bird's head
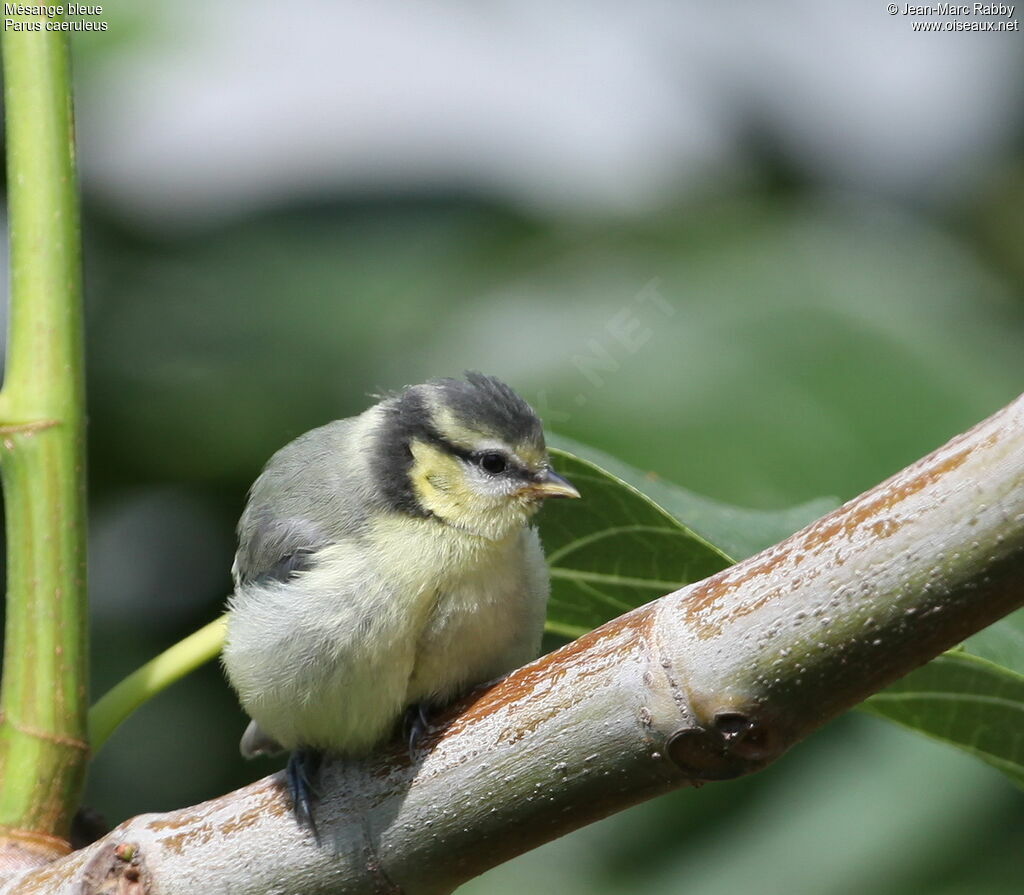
<point>469,452</point>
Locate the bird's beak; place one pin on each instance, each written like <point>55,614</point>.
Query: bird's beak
<point>551,484</point>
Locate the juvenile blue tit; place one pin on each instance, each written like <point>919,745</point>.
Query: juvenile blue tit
<point>386,563</point>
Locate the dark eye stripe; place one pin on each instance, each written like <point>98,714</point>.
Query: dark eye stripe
<point>477,457</point>
<point>438,439</point>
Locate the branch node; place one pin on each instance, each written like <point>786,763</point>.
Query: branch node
<point>22,850</point>
<point>748,738</point>
<point>116,870</point>
<point>734,744</point>
<point>45,735</point>
<point>29,427</point>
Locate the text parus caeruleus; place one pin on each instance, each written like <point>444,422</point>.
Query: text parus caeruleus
<point>385,564</point>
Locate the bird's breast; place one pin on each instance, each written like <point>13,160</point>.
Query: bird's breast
<point>478,607</point>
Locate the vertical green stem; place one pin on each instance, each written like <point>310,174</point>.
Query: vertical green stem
<point>43,748</point>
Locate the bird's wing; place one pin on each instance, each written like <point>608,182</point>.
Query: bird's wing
<point>306,498</point>
<point>276,549</point>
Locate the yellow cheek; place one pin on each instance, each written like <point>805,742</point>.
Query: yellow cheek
<point>439,482</point>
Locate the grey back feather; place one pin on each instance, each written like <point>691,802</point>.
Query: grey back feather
<point>309,495</point>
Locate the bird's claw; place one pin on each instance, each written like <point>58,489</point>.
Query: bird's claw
<point>303,765</point>
<point>416,723</point>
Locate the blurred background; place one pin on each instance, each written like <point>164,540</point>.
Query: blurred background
<point>771,252</point>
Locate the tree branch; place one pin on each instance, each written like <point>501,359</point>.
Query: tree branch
<point>707,683</point>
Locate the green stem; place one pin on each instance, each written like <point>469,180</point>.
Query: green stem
<point>156,675</point>
<point>43,748</point>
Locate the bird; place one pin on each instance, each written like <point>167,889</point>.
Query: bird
<point>387,563</point>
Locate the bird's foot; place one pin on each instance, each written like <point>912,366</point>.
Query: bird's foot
<point>302,767</point>
<point>415,725</point>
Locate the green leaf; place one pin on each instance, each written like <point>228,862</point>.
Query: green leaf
<point>625,543</point>
<point>738,532</point>
<point>964,700</point>
<point>1001,643</point>
<point>634,537</point>
<point>614,550</point>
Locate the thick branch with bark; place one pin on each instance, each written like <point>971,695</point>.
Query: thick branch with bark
<point>711,682</point>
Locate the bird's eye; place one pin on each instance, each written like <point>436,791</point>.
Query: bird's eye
<point>493,462</point>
